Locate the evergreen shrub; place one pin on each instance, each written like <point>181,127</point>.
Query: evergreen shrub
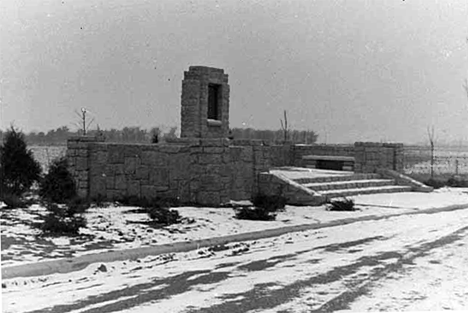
<point>342,205</point>
<point>18,168</point>
<point>58,184</point>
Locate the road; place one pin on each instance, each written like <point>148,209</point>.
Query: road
<point>414,263</point>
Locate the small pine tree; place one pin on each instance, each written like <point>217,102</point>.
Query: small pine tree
<point>18,168</point>
<point>58,185</point>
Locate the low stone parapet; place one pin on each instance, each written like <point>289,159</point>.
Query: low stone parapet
<point>404,180</point>
<point>296,194</point>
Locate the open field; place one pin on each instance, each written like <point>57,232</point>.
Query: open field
<point>46,154</point>
<point>448,161</point>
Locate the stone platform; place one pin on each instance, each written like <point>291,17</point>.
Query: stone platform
<point>305,186</point>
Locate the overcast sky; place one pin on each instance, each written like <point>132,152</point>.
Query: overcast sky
<point>354,70</point>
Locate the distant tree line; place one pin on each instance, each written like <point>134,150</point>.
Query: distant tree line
<point>295,136</point>
<point>136,134</point>
<point>60,135</point>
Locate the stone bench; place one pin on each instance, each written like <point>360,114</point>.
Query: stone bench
<point>329,162</point>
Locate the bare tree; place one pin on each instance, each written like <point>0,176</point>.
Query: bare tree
<point>284,126</point>
<point>431,136</point>
<point>82,125</point>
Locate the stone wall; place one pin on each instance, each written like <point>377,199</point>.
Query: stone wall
<point>78,161</point>
<point>241,165</point>
<point>210,173</point>
<point>370,156</point>
<point>281,155</point>
<point>265,155</point>
<point>118,170</point>
<point>204,171</point>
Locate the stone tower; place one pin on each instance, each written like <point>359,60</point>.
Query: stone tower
<point>205,103</point>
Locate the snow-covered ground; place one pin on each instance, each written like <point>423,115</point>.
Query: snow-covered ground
<point>437,281</point>
<point>411,262</point>
<point>116,228</point>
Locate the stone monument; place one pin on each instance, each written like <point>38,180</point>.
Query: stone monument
<point>205,103</point>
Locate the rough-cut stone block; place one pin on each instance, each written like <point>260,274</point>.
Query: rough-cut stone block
<point>72,171</point>
<point>98,146</point>
<point>159,176</point>
<point>170,149</point>
<point>72,162</point>
<point>142,172</point>
<point>70,153</point>
<point>148,157</point>
<point>213,169</point>
<point>223,199</point>
<point>81,164</point>
<point>216,150</point>
<point>114,169</point>
<point>82,153</point>
<point>180,166</point>
<point>97,169</point>
<point>98,187</point>
<point>83,184</point>
<point>82,175</point>
<point>209,159</point>
<point>173,184</point>
<point>115,194</point>
<point>161,188</point>
<point>183,191</point>
<point>210,182</point>
<point>148,191</point>
<point>191,89</point>
<point>132,150</point>
<point>82,192</point>
<point>208,198</point>
<point>224,181</point>
<point>239,194</point>
<point>154,158</point>
<point>110,182</point>
<point>115,155</point>
<point>264,178</point>
<point>194,185</point>
<point>130,165</point>
<point>99,157</point>
<point>196,170</point>
<point>247,154</point>
<point>225,170</point>
<point>82,145</point>
<point>120,182</point>
<point>196,149</point>
<point>235,153</point>
<point>133,188</point>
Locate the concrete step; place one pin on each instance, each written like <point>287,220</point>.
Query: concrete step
<point>363,191</point>
<point>335,178</point>
<point>350,184</point>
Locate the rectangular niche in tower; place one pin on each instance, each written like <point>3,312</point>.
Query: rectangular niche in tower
<point>213,102</point>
